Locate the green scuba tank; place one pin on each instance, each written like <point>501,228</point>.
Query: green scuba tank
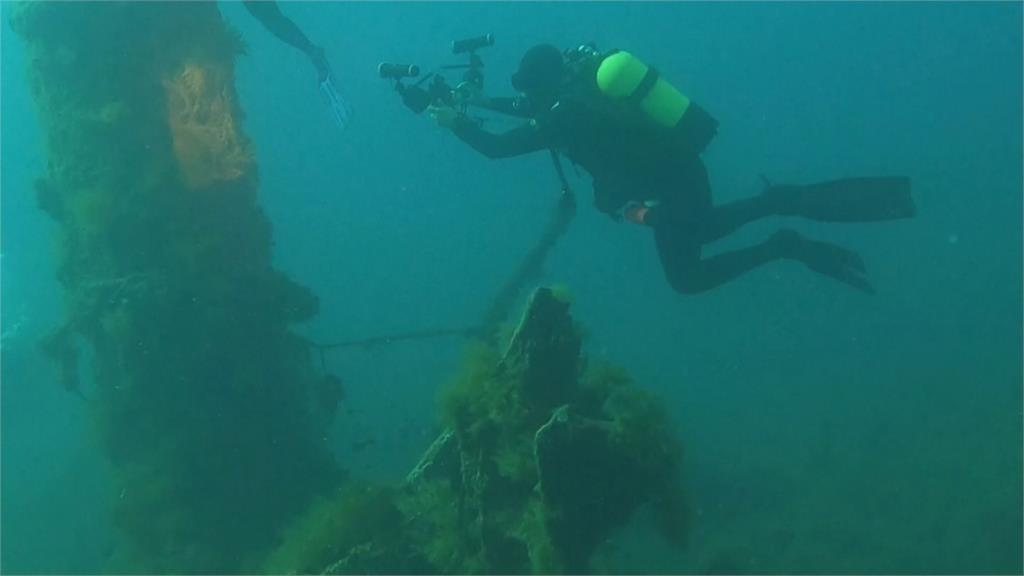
<point>627,81</point>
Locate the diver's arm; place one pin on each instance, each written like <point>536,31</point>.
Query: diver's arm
<point>516,142</point>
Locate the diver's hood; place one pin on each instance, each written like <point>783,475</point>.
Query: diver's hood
<point>540,70</point>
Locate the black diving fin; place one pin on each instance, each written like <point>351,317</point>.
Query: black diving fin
<point>866,199</point>
<point>825,258</point>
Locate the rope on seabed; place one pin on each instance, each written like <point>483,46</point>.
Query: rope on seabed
<point>530,267</point>
<point>374,341</point>
<point>398,337</point>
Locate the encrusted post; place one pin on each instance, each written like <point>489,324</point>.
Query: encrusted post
<point>201,395</point>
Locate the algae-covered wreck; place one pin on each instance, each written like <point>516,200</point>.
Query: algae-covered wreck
<point>203,398</point>
<point>542,460</point>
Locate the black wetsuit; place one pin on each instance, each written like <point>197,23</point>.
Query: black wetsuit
<point>634,164</point>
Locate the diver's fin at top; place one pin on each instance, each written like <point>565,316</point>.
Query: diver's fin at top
<point>866,199</point>
<point>339,108</point>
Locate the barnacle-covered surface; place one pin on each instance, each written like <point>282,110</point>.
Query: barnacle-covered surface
<point>201,116</point>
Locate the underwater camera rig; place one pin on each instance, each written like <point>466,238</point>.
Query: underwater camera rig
<point>419,95</point>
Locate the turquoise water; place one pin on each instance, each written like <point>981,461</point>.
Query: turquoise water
<point>825,430</point>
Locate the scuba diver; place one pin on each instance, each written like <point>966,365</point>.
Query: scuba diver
<point>641,140</point>
<point>269,15</point>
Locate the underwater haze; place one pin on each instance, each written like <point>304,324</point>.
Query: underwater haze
<point>824,430</point>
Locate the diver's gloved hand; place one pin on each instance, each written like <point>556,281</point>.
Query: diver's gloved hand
<point>634,212</point>
<point>469,93</point>
<point>641,213</point>
<point>445,116</point>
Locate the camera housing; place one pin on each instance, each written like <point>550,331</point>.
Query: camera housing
<point>417,96</point>
<point>390,70</point>
<point>472,44</point>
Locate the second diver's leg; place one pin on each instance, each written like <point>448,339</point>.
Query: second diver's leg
<point>270,16</point>
<point>284,29</point>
